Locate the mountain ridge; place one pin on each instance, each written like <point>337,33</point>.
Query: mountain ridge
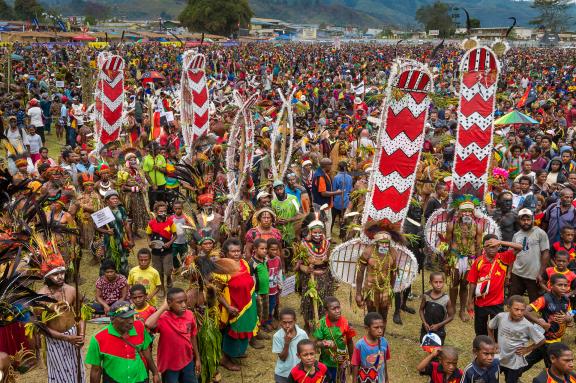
<point>362,13</point>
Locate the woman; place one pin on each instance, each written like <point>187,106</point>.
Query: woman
<point>58,216</point>
<point>312,264</point>
<point>132,182</point>
<point>238,306</point>
<point>540,186</point>
<point>103,185</point>
<point>265,218</point>
<point>87,202</point>
<point>117,234</point>
<point>555,172</point>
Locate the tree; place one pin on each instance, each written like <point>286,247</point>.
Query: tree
<point>436,16</point>
<point>474,23</point>
<point>553,14</point>
<point>222,17</point>
<point>27,9</point>
<point>6,12</point>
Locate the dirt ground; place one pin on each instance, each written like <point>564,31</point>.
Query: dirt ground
<point>259,366</point>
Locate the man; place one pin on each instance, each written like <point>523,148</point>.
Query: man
<point>527,199</point>
<point>161,235</point>
<point>526,171</point>
<point>486,278</point>
<point>546,145</point>
<point>342,181</point>
<point>46,106</point>
<point>559,214</point>
<point>84,165</point>
<point>538,161</point>
<point>505,216</point>
<point>63,337</point>
<point>208,218</point>
<point>531,262</point>
<point>117,352</point>
<point>322,191</point>
<point>69,159</point>
<point>437,200</point>
<point>286,208</point>
<point>154,166</point>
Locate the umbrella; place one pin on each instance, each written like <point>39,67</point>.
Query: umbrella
<point>152,75</point>
<point>84,37</point>
<point>515,117</point>
<point>16,57</point>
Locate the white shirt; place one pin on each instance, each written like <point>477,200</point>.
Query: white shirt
<point>35,143</point>
<point>35,114</point>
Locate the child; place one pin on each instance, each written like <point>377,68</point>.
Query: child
<point>372,351</point>
<point>161,235</point>
<point>561,260</point>
<point>514,336</point>
<point>259,271</point>
<point>565,243</point>
<point>554,308</point>
<point>180,245</point>
<point>139,299</point>
<point>561,365</point>
<point>177,358</point>
<point>284,344</point>
<point>145,275</point>
<point>275,271</point>
<point>436,309</point>
<point>308,370</point>
<point>484,368</point>
<point>335,337</point>
<point>445,370</point>
<point>34,144</point>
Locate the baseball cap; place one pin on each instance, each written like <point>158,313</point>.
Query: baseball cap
<point>121,309</point>
<point>525,212</point>
<point>278,183</point>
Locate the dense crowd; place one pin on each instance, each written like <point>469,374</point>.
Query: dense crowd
<point>168,223</point>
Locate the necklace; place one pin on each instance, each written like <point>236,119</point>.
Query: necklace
<point>104,187</point>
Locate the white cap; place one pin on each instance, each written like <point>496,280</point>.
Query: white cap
<point>262,194</point>
<point>307,162</point>
<point>525,212</point>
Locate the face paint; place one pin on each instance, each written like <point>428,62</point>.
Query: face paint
<point>467,220</point>
<point>316,237</point>
<point>383,247</point>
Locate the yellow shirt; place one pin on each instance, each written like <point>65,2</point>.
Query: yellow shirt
<point>149,278</point>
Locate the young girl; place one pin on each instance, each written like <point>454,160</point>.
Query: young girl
<point>436,309</point>
<point>275,272</point>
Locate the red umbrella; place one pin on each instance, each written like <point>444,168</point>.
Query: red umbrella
<point>153,75</point>
<point>84,37</point>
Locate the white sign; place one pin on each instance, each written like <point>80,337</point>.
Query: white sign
<point>288,286</point>
<point>434,32</point>
<point>102,217</point>
<point>59,84</point>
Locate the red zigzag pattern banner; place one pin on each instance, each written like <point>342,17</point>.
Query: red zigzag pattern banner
<point>109,97</point>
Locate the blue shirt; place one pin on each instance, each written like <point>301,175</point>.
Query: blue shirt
<point>368,355</point>
<point>342,181</point>
<point>283,368</point>
<point>82,168</point>
<point>473,373</point>
<point>296,193</point>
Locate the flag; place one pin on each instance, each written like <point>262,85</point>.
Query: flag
<point>61,25</point>
<point>156,128</point>
<point>36,23</point>
<point>524,98</point>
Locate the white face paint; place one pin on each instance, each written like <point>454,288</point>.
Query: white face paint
<point>383,247</point>
<point>316,237</point>
<point>467,220</point>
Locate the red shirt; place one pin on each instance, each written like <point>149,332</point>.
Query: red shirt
<point>175,349</point>
<point>299,374</point>
<point>490,276</point>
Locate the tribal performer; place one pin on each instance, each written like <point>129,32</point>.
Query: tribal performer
<point>87,202</point>
<point>376,271</point>
<point>132,182</point>
<point>63,337</point>
<point>315,277</point>
<point>464,239</point>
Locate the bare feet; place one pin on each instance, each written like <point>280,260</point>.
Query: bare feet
<point>464,316</point>
<point>228,364</point>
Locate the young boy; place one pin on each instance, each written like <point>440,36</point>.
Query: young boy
<point>554,308</point>
<point>372,351</point>
<point>484,368</point>
<point>138,297</point>
<point>145,275</point>
<point>180,245</point>
<point>335,338</point>
<point>177,358</point>
<point>275,272</point>
<point>565,243</point>
<point>517,338</point>
<point>284,344</point>
<point>561,260</point>
<point>436,309</point>
<point>445,370</point>
<point>259,271</point>
<point>561,365</point>
<point>161,235</point>
<point>308,370</point>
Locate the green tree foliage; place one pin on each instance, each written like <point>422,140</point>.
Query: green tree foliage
<point>474,23</point>
<point>222,17</point>
<point>27,9</point>
<point>552,14</point>
<point>6,12</point>
<point>436,16</point>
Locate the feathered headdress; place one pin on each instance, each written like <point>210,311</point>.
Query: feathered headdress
<point>465,202</point>
<point>372,229</point>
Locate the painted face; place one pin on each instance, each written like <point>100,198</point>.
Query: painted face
<point>383,246</point>
<point>317,234</point>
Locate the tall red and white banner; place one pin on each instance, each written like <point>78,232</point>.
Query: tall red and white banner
<point>109,97</point>
<point>399,145</point>
<point>479,71</point>
<point>194,100</point>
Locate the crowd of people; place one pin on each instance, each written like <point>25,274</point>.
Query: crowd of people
<point>171,267</point>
